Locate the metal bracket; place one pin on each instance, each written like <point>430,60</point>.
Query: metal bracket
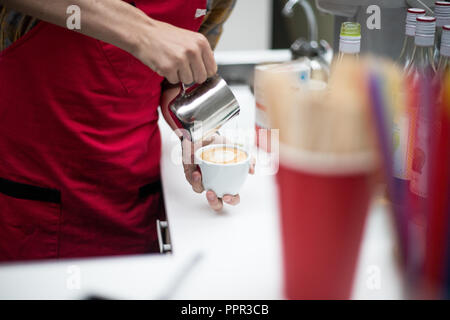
<point>162,229</point>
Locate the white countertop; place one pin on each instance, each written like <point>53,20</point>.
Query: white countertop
<point>240,248</point>
<point>241,244</point>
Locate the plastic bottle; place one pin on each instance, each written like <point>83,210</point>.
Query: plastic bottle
<point>407,52</point>
<point>350,40</point>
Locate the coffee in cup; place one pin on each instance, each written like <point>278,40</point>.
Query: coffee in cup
<point>223,155</point>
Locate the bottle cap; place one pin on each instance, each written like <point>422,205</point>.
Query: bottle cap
<point>445,41</point>
<point>442,13</point>
<point>411,20</point>
<point>350,39</point>
<point>425,29</point>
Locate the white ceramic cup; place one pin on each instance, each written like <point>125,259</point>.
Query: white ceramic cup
<point>226,178</point>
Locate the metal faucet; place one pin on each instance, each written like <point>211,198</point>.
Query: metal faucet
<point>312,47</point>
<point>288,11</point>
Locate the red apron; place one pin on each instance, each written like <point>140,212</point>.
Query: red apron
<point>79,142</point>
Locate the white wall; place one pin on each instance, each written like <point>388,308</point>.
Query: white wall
<point>249,26</point>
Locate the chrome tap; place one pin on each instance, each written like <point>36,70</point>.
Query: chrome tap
<point>288,11</point>
<point>311,47</point>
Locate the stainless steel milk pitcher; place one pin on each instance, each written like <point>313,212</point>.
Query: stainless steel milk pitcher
<point>202,109</point>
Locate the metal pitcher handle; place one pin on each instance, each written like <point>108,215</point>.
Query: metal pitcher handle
<point>187,87</point>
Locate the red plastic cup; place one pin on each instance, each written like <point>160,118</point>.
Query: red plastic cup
<point>324,202</point>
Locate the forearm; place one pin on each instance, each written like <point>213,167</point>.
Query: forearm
<point>177,54</point>
<point>112,21</point>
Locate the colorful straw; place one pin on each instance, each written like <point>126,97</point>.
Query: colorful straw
<point>382,120</point>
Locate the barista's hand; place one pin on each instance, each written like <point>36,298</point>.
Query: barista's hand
<point>194,176</point>
<point>191,170</point>
<point>177,54</point>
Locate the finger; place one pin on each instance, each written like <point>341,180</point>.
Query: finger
<point>209,62</point>
<point>187,152</point>
<point>172,77</point>
<point>231,200</point>
<point>185,74</point>
<point>198,69</point>
<point>196,183</point>
<point>213,201</point>
<point>194,177</point>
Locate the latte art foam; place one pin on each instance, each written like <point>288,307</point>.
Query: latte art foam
<point>224,155</point>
